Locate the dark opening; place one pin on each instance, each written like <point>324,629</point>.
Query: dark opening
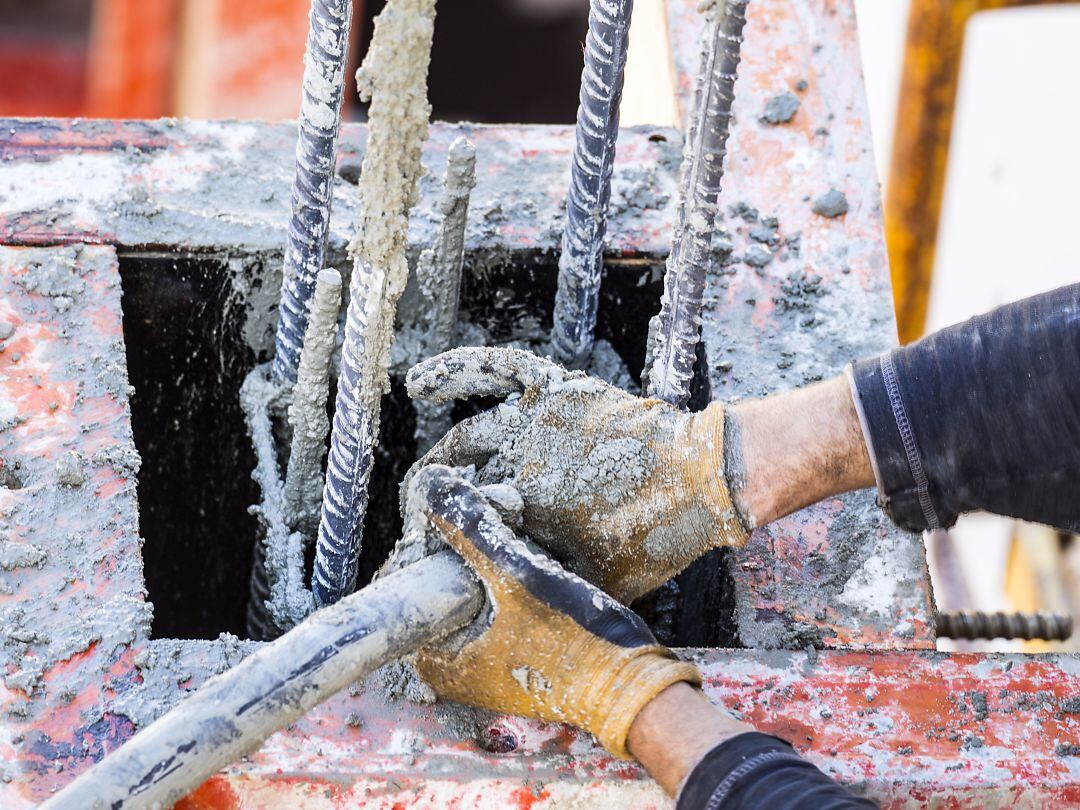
<point>187,359</point>
<point>501,61</point>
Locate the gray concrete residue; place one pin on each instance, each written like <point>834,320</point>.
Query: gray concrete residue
<point>780,109</point>
<point>832,203</point>
<point>70,471</point>
<point>307,412</point>
<point>438,276</point>
<point>170,669</point>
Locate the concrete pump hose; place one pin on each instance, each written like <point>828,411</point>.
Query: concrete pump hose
<point>233,713</point>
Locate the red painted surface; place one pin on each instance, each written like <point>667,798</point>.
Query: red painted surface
<point>903,727</point>
<point>50,390</point>
<point>42,78</point>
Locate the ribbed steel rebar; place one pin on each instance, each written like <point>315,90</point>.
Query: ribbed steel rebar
<point>354,436</point>
<point>581,260</point>
<point>438,275</point>
<point>674,333</point>
<point>961,624</point>
<point>307,413</point>
<point>325,60</point>
<point>394,77</point>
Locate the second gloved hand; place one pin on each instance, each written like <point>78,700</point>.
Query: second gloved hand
<point>547,644</point>
<point>625,491</point>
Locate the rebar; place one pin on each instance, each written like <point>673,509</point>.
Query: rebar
<point>325,59</point>
<point>962,624</point>
<point>307,413</point>
<point>581,261</point>
<point>675,331</point>
<point>438,275</point>
<point>394,78</point>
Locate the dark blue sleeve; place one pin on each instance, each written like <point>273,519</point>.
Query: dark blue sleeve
<point>755,771</point>
<point>981,415</point>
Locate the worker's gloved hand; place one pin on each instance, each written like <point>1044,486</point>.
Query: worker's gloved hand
<point>547,644</point>
<point>625,491</point>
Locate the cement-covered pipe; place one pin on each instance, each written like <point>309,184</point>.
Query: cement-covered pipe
<point>233,713</point>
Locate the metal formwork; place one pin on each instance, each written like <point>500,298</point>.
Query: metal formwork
<point>833,604</point>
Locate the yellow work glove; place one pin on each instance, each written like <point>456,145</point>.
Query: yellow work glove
<point>547,644</point>
<point>624,491</point>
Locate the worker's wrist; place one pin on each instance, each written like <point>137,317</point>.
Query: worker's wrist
<point>790,450</point>
<point>631,688</point>
<point>672,734</point>
<point>725,525</point>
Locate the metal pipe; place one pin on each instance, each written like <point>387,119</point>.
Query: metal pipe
<point>675,331</point>
<point>961,624</point>
<point>307,413</point>
<point>581,261</point>
<point>394,77</point>
<point>233,713</point>
<point>325,59</point>
<point>438,275</point>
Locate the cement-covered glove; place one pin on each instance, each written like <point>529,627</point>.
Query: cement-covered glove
<point>625,491</point>
<point>548,644</point>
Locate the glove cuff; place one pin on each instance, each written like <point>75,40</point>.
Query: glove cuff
<point>709,478</point>
<point>641,679</point>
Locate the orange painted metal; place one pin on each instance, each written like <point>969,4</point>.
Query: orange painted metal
<point>246,60</point>
<point>203,58</point>
<point>131,58</point>
<point>920,153</point>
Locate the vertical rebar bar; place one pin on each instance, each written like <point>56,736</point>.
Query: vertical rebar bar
<point>438,275</point>
<point>307,413</point>
<point>325,60</point>
<point>674,333</point>
<point>394,77</point>
<point>581,260</point>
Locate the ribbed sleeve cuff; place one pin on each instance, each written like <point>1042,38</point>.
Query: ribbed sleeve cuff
<point>903,488</point>
<point>718,776</point>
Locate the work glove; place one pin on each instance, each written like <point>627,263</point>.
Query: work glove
<point>547,644</point>
<point>625,491</point>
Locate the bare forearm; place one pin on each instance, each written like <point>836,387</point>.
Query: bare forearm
<point>675,730</point>
<point>790,450</point>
